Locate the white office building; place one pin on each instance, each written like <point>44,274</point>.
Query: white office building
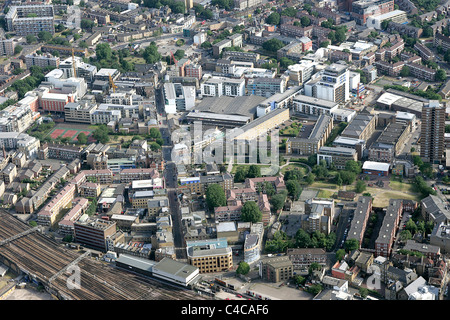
<point>330,84</point>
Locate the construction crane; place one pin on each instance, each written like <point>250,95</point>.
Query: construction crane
<point>112,84</point>
<point>173,58</point>
<point>73,64</point>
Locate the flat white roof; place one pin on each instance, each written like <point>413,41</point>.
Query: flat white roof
<point>388,15</point>
<point>388,98</point>
<point>379,166</point>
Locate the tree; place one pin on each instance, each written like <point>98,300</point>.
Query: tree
<point>31,39</point>
<point>427,32</point>
<point>254,171</point>
<point>363,292</point>
<point>151,54</point>
<point>101,134</point>
<point>103,51</point>
<point>385,24</point>
<point>315,289</point>
<point>440,75</point>
<point>305,21</point>
<point>274,18</point>
<point>353,166</point>
<point>360,186</point>
<point>299,280</point>
<point>347,177</point>
<point>294,189</point>
<point>240,175</point>
<point>273,45</point>
<point>411,226</point>
<point>44,36</point>
<point>324,44</point>
<point>405,235</point>
<point>18,49</point>
<point>302,239</point>
<point>310,178</point>
<point>82,138</point>
<point>286,62</point>
<point>215,196</point>
<point>155,146</point>
<point>340,254</point>
<point>405,72</point>
<point>87,24</point>
<point>351,244</point>
<point>155,133</point>
<point>243,268</point>
<point>250,212</point>
<point>278,200</point>
<point>206,45</point>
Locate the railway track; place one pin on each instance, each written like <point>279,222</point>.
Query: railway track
<point>42,258</point>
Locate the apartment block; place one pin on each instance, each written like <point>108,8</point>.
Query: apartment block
<point>276,269</point>
<point>265,87</point>
<point>129,175</point>
<point>386,236</point>
<point>337,156</point>
<point>360,218</point>
<point>317,138</point>
<point>42,60</point>
<point>432,132</point>
<point>7,47</point>
<point>363,9</point>
<point>79,111</point>
<point>30,19</point>
<point>63,199</point>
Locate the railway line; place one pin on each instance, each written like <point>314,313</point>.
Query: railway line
<point>42,258</point>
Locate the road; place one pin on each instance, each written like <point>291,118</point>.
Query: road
<point>171,180</point>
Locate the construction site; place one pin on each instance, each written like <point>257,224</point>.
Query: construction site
<point>26,251</point>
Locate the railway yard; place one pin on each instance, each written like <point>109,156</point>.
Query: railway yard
<point>45,261</point>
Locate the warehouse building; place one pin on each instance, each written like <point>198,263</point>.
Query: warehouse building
<point>375,168</point>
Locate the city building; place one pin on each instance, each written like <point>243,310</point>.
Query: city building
<point>209,256</point>
<point>30,19</point>
<point>313,106</point>
<point>95,233</point>
<point>43,60</point>
<point>375,21</point>
<point>386,235</point>
<point>360,217</point>
<point>314,141</point>
<point>276,269</point>
<point>362,127</point>
<point>376,168</point>
<point>363,9</point>
<point>336,155</point>
<point>330,84</point>
<point>432,132</point>
<point>7,47</point>
<point>265,87</point>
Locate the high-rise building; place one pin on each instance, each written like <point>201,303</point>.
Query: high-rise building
<point>433,130</point>
<point>332,84</point>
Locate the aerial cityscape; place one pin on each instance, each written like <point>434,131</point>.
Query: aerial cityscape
<point>224,150</point>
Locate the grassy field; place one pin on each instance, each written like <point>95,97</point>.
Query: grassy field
<point>326,193</point>
<point>292,166</point>
<point>135,60</point>
<point>382,196</point>
<point>401,186</point>
<point>264,168</point>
